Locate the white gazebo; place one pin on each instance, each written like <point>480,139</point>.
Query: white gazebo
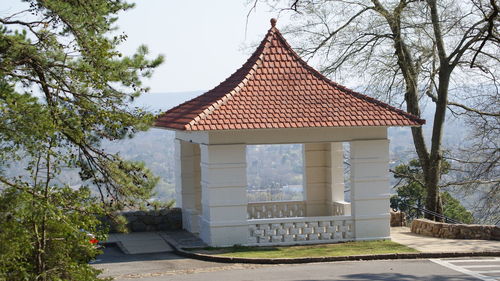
<point>276,98</point>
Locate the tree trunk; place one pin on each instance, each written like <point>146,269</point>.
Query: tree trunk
<point>430,166</point>
<point>431,183</point>
<point>434,168</point>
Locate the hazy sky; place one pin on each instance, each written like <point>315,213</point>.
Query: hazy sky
<point>203,41</point>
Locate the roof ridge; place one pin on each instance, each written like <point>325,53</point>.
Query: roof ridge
<point>345,89</point>
<point>251,64</point>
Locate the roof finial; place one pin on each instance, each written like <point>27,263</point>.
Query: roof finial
<point>273,22</point>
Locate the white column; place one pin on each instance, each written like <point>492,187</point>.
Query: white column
<point>335,188</point>
<point>316,178</point>
<point>370,189</point>
<point>337,171</point>
<point>187,183</point>
<point>224,198</point>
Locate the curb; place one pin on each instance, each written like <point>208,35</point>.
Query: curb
<point>181,252</point>
<point>220,259</point>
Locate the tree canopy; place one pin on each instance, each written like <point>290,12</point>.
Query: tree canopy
<point>64,88</point>
<point>410,194</point>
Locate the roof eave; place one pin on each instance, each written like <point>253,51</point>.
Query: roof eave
<point>195,129</point>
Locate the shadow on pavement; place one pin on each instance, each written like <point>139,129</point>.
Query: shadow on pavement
<point>398,277</point>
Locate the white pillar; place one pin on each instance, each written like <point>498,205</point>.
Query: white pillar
<point>224,198</point>
<point>370,189</point>
<point>316,178</point>
<point>187,183</point>
<point>335,189</point>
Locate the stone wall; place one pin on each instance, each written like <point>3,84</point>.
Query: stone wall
<point>398,218</point>
<point>455,231</point>
<point>140,221</point>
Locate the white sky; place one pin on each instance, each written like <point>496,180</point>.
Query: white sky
<point>203,41</point>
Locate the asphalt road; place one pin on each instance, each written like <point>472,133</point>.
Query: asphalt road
<point>168,266</point>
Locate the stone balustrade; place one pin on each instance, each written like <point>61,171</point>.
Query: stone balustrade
<point>341,208</point>
<point>455,231</point>
<point>291,209</point>
<point>276,209</point>
<point>300,230</point>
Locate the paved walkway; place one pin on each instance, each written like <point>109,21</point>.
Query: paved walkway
<point>121,266</point>
<point>403,235</point>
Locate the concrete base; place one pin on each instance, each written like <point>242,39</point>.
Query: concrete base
<point>191,221</point>
<point>223,236</point>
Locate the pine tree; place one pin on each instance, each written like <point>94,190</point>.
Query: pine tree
<point>64,88</point>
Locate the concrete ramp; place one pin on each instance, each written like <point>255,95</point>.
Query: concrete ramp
<point>140,242</point>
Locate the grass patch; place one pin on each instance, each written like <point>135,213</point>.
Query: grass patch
<point>323,250</point>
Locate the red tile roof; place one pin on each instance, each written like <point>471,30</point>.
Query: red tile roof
<point>275,88</point>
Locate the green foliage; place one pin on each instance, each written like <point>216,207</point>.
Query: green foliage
<point>45,230</point>
<point>156,205</point>
<point>63,89</point>
<point>410,193</point>
<point>453,209</point>
<point>408,196</point>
